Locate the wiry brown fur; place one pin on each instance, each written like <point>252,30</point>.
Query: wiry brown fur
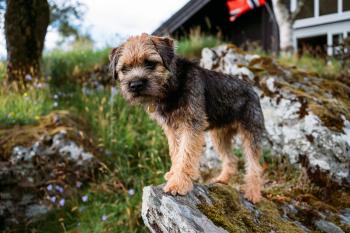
<point>187,100</point>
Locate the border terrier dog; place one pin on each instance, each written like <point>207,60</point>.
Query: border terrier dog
<point>187,100</point>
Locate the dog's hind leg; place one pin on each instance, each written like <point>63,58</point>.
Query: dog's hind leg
<point>222,142</point>
<point>253,176</point>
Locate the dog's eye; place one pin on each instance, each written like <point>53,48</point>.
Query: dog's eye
<point>150,64</point>
<point>125,68</point>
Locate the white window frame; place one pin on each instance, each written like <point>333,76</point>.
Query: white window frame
<point>317,19</point>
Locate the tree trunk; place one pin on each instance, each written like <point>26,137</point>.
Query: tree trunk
<point>285,25</point>
<point>26,23</point>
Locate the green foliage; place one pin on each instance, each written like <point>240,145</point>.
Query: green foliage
<point>192,45</point>
<point>61,66</point>
<point>323,67</point>
<point>134,153</point>
<point>66,16</point>
<point>2,70</point>
<point>22,108</point>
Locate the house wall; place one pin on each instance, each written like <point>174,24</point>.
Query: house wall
<point>329,25</point>
<point>254,26</point>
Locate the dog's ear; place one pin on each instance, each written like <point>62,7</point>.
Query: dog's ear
<point>113,61</point>
<point>165,48</point>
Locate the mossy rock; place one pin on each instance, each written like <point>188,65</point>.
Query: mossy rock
<point>230,211</point>
<point>327,98</point>
<point>75,128</point>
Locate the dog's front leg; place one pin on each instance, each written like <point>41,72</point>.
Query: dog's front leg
<point>186,163</point>
<point>173,144</point>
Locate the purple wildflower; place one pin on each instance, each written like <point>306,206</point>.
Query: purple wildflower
<point>84,198</point>
<point>59,189</point>
<point>131,192</point>
<point>104,218</point>
<point>49,187</point>
<point>78,184</point>
<point>53,199</point>
<point>62,201</point>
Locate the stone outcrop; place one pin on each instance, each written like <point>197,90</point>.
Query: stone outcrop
<point>49,162</point>
<point>166,213</point>
<point>306,116</point>
<point>220,208</point>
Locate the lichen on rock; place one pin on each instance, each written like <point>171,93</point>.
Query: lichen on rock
<point>41,164</point>
<point>307,117</point>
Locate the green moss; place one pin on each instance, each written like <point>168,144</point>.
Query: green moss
<point>228,212</point>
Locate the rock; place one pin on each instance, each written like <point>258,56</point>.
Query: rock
<point>307,117</point>
<point>217,208</point>
<point>210,162</point>
<point>328,227</point>
<point>36,210</point>
<point>42,168</point>
<point>345,216</point>
<point>166,213</point>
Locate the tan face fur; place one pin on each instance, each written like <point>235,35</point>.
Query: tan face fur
<point>138,61</point>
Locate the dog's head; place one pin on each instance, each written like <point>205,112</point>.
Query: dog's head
<point>142,66</point>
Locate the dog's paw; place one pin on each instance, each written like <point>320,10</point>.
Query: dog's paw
<point>252,193</point>
<point>178,184</point>
<point>222,179</point>
<point>168,175</point>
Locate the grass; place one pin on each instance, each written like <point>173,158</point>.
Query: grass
<point>2,70</point>
<point>324,67</point>
<point>61,66</point>
<point>136,156</point>
<point>133,147</point>
<point>24,108</point>
<point>191,46</point>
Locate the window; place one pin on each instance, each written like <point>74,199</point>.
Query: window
<point>307,10</point>
<point>329,7</point>
<point>315,45</point>
<point>346,5</point>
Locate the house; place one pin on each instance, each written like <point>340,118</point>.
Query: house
<point>321,24</point>
<point>212,16</point>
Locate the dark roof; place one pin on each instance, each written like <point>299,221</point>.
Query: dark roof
<point>175,21</point>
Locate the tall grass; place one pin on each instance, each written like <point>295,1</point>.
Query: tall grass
<point>134,151</point>
<point>191,46</point>
<point>24,108</point>
<point>2,70</point>
<point>61,66</point>
<point>322,66</point>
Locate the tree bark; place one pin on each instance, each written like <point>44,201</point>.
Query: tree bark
<point>285,25</point>
<point>26,23</point>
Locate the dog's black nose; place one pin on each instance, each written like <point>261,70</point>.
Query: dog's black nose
<point>137,85</point>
